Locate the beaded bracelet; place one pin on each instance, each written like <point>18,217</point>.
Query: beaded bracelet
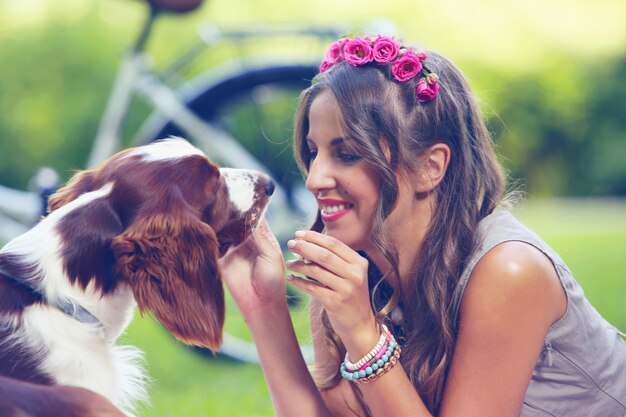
<point>393,360</point>
<point>382,341</point>
<point>375,363</point>
<point>385,337</point>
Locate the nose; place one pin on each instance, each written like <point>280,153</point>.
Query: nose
<point>320,176</point>
<point>270,187</point>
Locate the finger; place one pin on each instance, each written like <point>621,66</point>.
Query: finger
<point>318,274</point>
<point>330,243</point>
<point>264,232</point>
<point>323,257</point>
<point>258,243</point>
<point>302,258</point>
<point>310,286</point>
<point>265,238</point>
<point>307,253</point>
<point>248,248</point>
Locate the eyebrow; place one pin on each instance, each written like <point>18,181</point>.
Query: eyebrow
<point>334,142</point>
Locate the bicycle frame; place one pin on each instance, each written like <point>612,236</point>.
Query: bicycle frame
<point>134,77</point>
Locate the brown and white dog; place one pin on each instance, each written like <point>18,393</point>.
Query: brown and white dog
<point>146,229</point>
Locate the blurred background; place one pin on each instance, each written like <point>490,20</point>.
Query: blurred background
<point>551,76</point>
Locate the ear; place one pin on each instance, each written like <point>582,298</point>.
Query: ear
<point>433,168</point>
<point>80,183</point>
<point>170,260</point>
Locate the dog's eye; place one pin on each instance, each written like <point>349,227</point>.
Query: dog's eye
<point>224,245</point>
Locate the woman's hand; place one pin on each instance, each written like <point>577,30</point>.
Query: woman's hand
<point>254,272</point>
<point>339,282</point>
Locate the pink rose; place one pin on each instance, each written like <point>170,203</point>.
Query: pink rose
<point>335,51</point>
<point>421,56</point>
<point>427,90</point>
<point>406,67</point>
<point>357,51</point>
<point>385,49</point>
<point>325,66</point>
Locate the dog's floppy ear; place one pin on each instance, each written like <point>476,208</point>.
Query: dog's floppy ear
<point>80,183</point>
<point>169,257</point>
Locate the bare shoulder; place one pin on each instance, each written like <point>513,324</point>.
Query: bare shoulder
<point>515,279</point>
<point>511,299</point>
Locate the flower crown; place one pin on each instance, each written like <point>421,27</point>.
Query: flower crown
<point>405,65</point>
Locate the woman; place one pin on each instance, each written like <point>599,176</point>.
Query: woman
<point>411,262</point>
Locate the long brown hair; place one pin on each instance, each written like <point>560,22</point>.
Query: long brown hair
<point>390,130</point>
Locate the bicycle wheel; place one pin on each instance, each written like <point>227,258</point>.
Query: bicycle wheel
<point>256,107</point>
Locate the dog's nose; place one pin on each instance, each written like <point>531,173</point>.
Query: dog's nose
<point>269,188</point>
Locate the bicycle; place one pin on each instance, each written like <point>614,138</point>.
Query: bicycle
<point>207,110</point>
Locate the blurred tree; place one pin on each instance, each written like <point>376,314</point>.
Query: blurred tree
<point>53,84</point>
<point>561,130</point>
<point>604,169</point>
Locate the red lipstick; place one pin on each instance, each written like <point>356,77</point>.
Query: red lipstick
<point>331,216</point>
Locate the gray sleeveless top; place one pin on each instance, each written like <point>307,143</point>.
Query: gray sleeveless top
<point>581,371</point>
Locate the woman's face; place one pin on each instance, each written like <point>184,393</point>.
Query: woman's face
<point>345,187</point>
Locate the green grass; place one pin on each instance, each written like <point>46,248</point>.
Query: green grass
<point>589,235</point>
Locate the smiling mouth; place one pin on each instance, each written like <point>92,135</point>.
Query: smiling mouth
<point>335,209</point>
<point>334,212</point>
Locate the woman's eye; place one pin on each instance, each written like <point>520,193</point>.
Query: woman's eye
<point>348,157</point>
<point>312,154</point>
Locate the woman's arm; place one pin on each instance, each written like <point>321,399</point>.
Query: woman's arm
<point>513,297</point>
<point>340,399</point>
<point>254,274</point>
<point>342,290</point>
<point>289,381</point>
<point>384,399</point>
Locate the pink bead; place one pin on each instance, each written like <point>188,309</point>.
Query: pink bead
<point>381,352</point>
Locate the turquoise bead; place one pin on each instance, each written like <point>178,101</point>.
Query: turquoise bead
<point>374,367</point>
<point>380,363</point>
<point>369,370</point>
<point>362,374</point>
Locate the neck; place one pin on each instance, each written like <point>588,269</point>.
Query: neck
<point>407,266</point>
<point>408,233</point>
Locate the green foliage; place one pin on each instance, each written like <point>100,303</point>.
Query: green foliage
<point>605,129</point>
<point>53,84</point>
<point>559,125</point>
<point>561,130</point>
